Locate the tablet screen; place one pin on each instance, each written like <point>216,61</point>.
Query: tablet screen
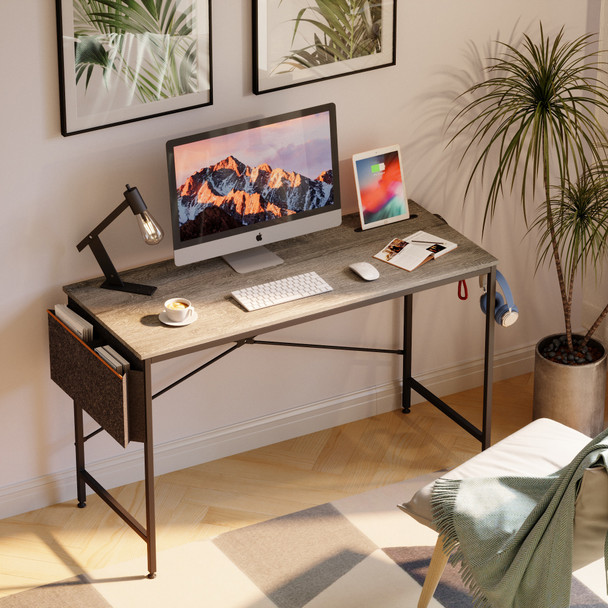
<point>380,187</point>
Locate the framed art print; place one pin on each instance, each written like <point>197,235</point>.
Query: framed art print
<point>126,60</point>
<point>300,41</point>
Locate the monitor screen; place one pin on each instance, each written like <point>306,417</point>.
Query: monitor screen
<point>237,188</point>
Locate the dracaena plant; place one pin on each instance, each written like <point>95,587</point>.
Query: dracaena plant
<point>147,44</point>
<point>533,121</point>
<point>578,227</point>
<point>340,29</point>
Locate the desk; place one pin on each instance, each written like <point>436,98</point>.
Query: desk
<point>122,405</point>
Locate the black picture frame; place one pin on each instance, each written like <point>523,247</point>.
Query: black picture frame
<point>114,69</point>
<point>294,44</point>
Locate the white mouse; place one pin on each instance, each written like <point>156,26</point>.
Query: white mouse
<point>365,270</point>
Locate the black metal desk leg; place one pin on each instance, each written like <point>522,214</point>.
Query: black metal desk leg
<point>488,367</point>
<point>79,445</point>
<point>149,473</point>
<point>406,389</point>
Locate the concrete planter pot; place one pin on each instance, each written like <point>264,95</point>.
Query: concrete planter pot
<point>571,394</point>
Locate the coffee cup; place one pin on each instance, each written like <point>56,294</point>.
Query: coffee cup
<point>178,310</point>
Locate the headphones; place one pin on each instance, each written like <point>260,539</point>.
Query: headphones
<point>505,312</point>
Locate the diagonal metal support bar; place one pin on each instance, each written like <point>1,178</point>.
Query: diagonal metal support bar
<point>200,368</point>
<point>91,435</point>
<point>113,504</point>
<point>445,408</point>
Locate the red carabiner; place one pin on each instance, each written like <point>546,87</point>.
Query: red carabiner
<point>463,292</point>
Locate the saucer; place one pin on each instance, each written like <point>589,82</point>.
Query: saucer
<point>165,319</point>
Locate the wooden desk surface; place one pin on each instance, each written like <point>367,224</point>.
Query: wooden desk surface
<point>133,319</point>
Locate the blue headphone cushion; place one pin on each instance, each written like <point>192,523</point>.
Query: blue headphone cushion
<point>498,302</point>
<point>501,308</point>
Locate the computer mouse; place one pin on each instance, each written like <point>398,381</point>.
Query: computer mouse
<point>365,270</point>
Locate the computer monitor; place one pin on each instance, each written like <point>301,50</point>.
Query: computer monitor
<point>236,188</point>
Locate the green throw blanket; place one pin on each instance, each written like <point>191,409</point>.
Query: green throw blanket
<point>512,536</point>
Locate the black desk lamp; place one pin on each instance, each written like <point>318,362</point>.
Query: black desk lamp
<point>150,230</point>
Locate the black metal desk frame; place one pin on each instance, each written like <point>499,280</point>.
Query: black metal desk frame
<point>409,384</point>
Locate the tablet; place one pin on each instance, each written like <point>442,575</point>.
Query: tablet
<point>380,187</point>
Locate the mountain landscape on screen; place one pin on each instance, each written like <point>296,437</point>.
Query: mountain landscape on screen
<point>231,194</point>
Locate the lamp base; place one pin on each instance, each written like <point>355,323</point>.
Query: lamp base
<point>144,290</point>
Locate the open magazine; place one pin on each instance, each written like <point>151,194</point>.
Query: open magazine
<point>414,250</point>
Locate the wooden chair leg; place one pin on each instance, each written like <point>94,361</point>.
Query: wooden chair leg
<point>436,568</point>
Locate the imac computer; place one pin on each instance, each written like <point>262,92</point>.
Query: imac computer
<point>237,188</point>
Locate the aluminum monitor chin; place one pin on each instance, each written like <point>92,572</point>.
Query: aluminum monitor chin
<point>235,189</point>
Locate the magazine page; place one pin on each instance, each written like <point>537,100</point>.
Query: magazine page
<point>411,252</point>
<point>403,254</point>
<point>433,244</point>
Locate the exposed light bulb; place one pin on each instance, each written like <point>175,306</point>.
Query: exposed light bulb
<point>150,229</point>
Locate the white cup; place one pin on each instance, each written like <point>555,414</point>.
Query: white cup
<point>178,309</point>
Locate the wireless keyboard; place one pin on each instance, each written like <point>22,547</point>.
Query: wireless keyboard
<point>281,291</point>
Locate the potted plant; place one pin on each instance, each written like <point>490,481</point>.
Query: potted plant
<point>535,117</point>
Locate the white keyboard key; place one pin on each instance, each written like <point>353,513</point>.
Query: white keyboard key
<point>281,291</point>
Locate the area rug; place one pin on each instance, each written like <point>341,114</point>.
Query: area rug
<point>357,552</point>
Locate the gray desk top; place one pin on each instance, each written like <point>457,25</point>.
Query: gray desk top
<point>133,319</point>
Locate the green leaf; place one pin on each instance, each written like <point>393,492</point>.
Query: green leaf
<point>161,32</point>
<point>343,29</point>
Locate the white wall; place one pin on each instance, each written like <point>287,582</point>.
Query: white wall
<point>595,295</point>
<point>595,288</point>
<point>53,189</point>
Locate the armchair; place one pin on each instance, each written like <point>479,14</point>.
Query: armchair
<point>538,450</point>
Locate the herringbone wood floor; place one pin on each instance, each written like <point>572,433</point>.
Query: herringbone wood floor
<point>59,541</point>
